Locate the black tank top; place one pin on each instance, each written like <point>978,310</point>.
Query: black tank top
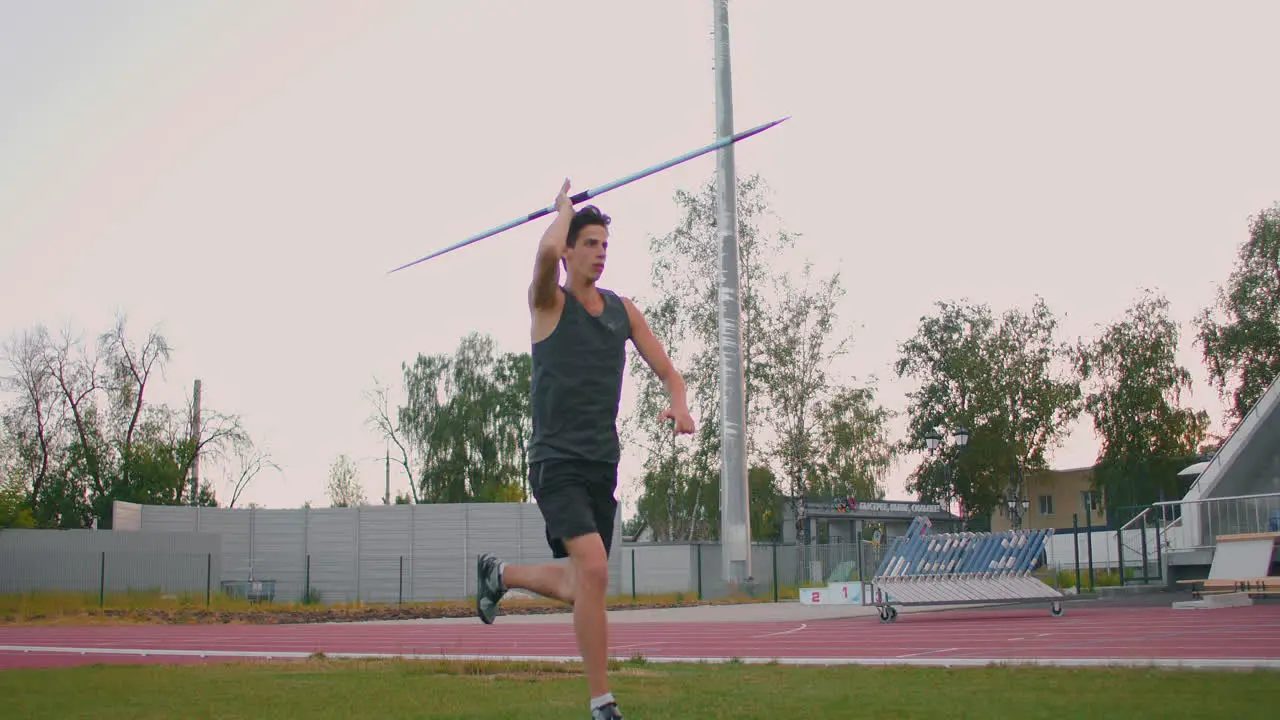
<point>577,383</point>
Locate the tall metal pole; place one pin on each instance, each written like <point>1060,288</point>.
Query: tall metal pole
<point>735,520</point>
<point>195,439</point>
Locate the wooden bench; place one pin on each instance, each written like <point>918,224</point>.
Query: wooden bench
<point>1249,537</point>
<point>1255,587</point>
<point>1238,555</point>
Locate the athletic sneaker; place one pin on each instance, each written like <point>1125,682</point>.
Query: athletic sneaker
<point>607,712</point>
<point>489,588</point>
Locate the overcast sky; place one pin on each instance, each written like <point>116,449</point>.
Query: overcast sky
<point>242,174</point>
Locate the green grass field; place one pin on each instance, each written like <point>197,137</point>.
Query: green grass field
<point>322,689</point>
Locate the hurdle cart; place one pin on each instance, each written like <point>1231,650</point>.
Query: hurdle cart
<point>961,569</point>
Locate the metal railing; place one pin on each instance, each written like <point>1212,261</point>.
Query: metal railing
<point>1197,524</point>
<point>1140,555</point>
<point>693,570</point>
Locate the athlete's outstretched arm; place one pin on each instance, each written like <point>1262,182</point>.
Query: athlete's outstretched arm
<point>653,353</point>
<point>546,266</point>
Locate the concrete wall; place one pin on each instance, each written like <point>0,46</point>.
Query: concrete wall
<point>379,553</point>
<point>93,561</point>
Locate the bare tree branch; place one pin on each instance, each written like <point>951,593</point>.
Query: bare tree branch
<point>251,460</point>
<point>380,418</point>
<point>27,355</point>
<point>131,368</point>
<point>77,378</point>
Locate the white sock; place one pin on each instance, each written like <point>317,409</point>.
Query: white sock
<point>599,702</point>
<point>502,568</point>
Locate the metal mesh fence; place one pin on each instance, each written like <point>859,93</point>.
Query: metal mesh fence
<point>691,571</point>
<point>108,574</point>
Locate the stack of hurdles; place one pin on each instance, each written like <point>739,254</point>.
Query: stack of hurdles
<point>959,568</point>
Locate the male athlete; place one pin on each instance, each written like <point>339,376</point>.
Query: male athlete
<point>579,335</point>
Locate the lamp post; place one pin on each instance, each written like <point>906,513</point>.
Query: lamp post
<point>933,441</point>
<point>1017,504</point>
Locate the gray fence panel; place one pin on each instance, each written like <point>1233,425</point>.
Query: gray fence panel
<point>666,568</point>
<point>26,571</point>
<point>494,529</point>
<point>384,551</point>
<point>94,561</point>
<point>169,573</point>
<point>370,554</point>
<point>279,551</point>
<point>160,518</point>
<point>237,540</point>
<point>442,565</point>
<point>127,516</point>
<point>534,549</point>
<point>332,544</point>
<point>658,569</point>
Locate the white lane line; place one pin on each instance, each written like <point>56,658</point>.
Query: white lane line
<point>1030,637</point>
<point>1198,663</point>
<point>782,632</point>
<point>928,652</point>
<point>640,645</point>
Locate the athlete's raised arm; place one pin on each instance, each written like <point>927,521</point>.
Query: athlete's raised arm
<point>546,265</point>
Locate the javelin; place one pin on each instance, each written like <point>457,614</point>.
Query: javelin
<point>593,192</point>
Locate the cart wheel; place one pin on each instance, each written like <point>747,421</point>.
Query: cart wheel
<point>1055,609</point>
<point>893,614</point>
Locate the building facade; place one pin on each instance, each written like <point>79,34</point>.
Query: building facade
<point>1053,498</point>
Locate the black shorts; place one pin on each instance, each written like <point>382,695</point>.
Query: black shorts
<point>576,498</point>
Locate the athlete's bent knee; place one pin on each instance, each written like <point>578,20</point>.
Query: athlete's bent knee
<point>593,574</point>
<point>590,564</point>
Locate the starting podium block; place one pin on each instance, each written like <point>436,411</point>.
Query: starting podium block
<point>836,593</point>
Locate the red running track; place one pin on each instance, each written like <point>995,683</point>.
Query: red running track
<point>1227,637</point>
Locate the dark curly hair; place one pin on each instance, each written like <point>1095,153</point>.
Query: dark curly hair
<point>589,215</point>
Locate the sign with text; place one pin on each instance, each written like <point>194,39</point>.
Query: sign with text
<point>854,506</point>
